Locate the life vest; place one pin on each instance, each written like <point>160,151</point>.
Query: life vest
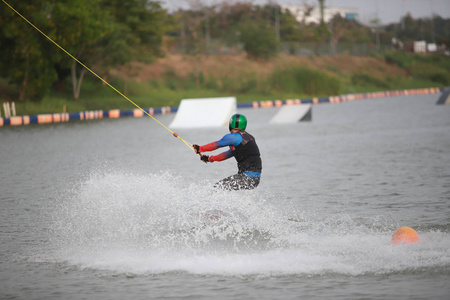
<point>247,154</point>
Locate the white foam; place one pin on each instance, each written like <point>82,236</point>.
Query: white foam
<point>147,224</point>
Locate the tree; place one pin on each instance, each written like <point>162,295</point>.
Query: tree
<point>99,33</point>
<point>442,30</point>
<point>348,31</point>
<point>146,23</point>
<point>107,33</point>
<point>376,27</point>
<point>81,28</point>
<point>307,10</point>
<point>258,39</point>
<point>322,7</point>
<point>228,21</point>
<point>290,29</point>
<point>25,59</point>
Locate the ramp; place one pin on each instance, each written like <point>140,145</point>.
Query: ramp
<point>204,112</point>
<point>292,114</point>
<point>445,97</point>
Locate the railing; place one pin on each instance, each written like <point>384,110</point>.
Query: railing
<point>216,47</point>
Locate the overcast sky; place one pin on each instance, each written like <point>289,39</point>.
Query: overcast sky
<point>388,11</point>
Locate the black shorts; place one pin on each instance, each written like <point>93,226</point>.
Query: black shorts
<point>238,182</point>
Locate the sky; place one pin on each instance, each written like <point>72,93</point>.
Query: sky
<point>388,11</point>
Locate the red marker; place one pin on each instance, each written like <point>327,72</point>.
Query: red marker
<point>175,134</point>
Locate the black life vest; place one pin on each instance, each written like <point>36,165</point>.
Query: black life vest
<point>247,154</point>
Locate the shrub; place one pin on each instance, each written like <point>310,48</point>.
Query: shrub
<point>365,79</point>
<point>258,39</point>
<point>303,81</point>
<point>400,59</point>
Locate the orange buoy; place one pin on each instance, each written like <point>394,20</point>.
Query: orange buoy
<point>405,235</point>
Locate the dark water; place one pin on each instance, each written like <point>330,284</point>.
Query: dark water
<point>119,209</point>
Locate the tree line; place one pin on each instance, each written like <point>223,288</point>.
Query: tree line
<point>99,33</point>
<point>104,34</point>
<point>262,31</point>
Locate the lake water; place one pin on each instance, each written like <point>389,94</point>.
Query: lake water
<point>120,209</point>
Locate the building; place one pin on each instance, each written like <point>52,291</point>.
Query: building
<point>420,46</point>
<point>300,13</point>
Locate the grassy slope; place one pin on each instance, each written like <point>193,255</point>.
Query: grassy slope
<point>175,77</point>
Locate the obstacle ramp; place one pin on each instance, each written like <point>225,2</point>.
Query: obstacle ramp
<point>292,114</point>
<point>445,97</point>
<point>204,112</point>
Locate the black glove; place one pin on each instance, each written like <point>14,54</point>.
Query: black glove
<point>204,158</point>
<point>196,148</point>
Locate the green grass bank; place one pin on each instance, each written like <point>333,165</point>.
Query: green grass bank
<point>175,77</point>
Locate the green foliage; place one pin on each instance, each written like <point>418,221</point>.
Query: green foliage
<point>211,83</point>
<point>368,80</point>
<point>432,72</point>
<point>245,82</point>
<point>99,33</point>
<point>259,39</point>
<point>24,57</point>
<point>104,34</point>
<point>143,23</point>
<point>8,90</point>
<point>432,68</point>
<point>349,31</point>
<point>400,59</point>
<point>303,81</point>
<point>81,28</point>
<point>289,28</point>
<point>246,86</point>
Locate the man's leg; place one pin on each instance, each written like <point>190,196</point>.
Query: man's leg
<point>238,182</point>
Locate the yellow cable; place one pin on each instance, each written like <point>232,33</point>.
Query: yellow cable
<point>95,74</point>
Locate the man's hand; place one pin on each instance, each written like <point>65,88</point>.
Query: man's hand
<point>196,148</point>
<point>204,158</point>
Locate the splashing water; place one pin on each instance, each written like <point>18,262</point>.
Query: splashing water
<point>161,223</point>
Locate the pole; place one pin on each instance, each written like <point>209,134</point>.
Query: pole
<point>433,37</point>
<point>277,23</point>
<point>13,107</point>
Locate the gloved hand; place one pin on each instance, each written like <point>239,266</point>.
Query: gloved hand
<point>204,158</point>
<point>196,148</point>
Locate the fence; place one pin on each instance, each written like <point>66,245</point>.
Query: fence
<point>215,47</point>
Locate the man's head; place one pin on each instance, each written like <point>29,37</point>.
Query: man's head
<point>237,122</point>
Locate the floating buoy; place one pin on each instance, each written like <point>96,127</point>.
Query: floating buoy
<point>405,235</point>
<point>175,134</point>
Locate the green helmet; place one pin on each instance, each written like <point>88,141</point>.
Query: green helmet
<point>237,121</point>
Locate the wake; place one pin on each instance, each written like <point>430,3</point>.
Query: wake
<point>159,223</point>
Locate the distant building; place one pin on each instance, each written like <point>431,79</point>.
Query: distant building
<point>314,15</point>
<point>432,47</point>
<point>420,46</point>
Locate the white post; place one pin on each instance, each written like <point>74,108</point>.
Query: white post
<point>13,107</point>
<point>5,108</point>
<point>9,109</point>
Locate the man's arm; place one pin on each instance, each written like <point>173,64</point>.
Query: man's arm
<point>222,156</point>
<point>231,139</point>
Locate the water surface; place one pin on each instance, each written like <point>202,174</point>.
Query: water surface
<point>116,209</point>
